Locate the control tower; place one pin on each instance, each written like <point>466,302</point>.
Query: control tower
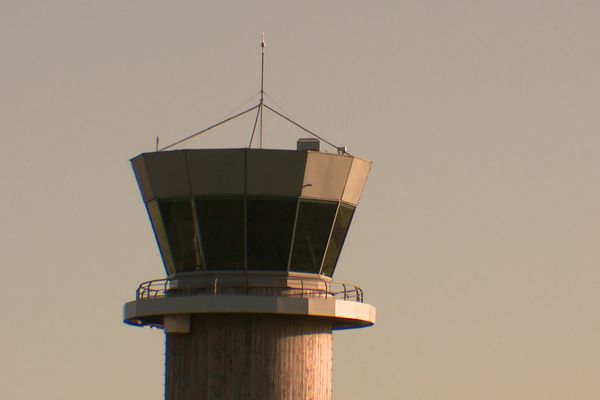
<point>250,240</point>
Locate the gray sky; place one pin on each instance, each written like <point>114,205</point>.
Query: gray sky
<point>477,236</point>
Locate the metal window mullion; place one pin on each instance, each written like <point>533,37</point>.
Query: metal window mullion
<point>289,264</point>
<point>337,209</point>
<point>198,240</point>
<point>198,252</point>
<point>246,233</point>
<point>245,218</point>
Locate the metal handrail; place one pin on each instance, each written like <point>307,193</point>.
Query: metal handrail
<point>159,288</point>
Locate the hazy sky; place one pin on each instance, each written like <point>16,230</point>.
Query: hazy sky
<point>477,235</point>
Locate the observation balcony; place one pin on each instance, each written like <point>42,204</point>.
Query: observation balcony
<point>161,300</point>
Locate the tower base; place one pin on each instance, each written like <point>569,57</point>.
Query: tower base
<point>250,357</point>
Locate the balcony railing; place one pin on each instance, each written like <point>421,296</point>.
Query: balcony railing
<point>215,286</point>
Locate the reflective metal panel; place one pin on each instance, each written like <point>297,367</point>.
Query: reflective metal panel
<point>216,172</point>
<point>356,180</point>
<point>168,173</point>
<point>139,168</point>
<point>275,172</point>
<point>325,176</point>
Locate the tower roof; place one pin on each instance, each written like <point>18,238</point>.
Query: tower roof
<point>251,172</point>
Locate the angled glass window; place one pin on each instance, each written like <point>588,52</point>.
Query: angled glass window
<point>315,219</point>
<point>221,225</point>
<point>270,223</point>
<point>161,235</point>
<point>338,235</point>
<point>179,226</point>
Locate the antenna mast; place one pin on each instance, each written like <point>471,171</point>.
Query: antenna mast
<point>262,87</point>
<point>259,116</point>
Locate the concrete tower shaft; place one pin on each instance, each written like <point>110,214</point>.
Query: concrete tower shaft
<point>250,357</point>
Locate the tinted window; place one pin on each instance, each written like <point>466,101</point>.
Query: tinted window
<point>338,235</point>
<point>179,225</point>
<point>270,225</point>
<point>221,223</point>
<point>161,235</point>
<point>312,231</point>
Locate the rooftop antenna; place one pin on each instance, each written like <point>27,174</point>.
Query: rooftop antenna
<point>262,86</point>
<point>258,120</point>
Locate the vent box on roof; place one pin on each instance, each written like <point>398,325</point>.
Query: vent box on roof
<point>308,144</point>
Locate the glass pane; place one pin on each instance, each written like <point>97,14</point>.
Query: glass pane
<point>312,231</point>
<point>338,235</point>
<point>179,225</point>
<point>161,236</point>
<point>221,223</point>
<point>270,225</point>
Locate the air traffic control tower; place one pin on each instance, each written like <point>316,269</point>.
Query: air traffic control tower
<point>250,239</point>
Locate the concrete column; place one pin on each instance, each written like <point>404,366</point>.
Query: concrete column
<point>250,357</point>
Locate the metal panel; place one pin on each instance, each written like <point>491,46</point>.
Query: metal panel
<point>356,181</point>
<point>141,174</point>
<point>168,173</point>
<point>216,172</point>
<point>325,176</point>
<point>275,172</point>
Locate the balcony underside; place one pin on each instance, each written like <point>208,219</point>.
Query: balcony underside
<point>343,314</point>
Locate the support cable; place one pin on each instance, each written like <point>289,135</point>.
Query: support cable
<point>283,110</point>
<point>253,129</point>
<point>210,127</point>
<point>241,106</point>
<point>304,129</point>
